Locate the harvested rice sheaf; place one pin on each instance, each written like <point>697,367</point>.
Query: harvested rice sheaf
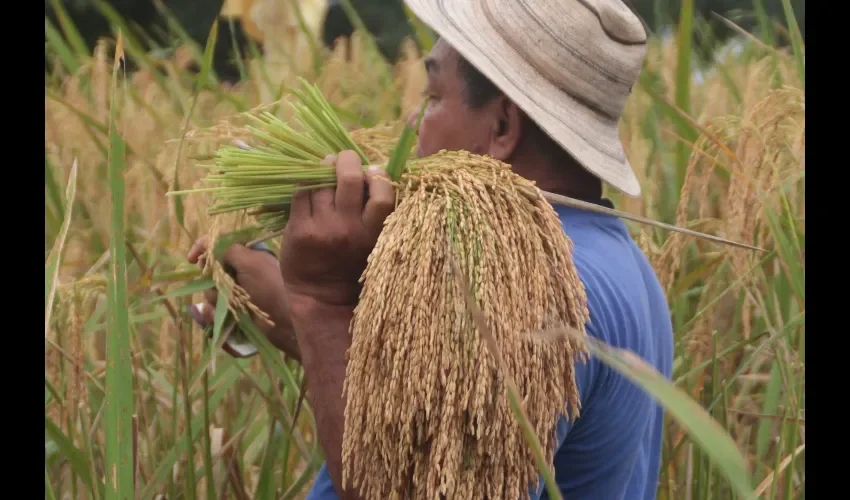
<point>427,413</point>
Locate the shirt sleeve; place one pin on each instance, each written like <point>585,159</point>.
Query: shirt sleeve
<point>583,374</point>
<point>263,248</point>
<point>323,487</point>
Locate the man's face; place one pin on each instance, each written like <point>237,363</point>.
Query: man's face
<point>447,122</point>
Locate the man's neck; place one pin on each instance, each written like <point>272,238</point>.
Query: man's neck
<point>565,180</point>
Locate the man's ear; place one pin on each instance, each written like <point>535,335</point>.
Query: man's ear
<point>507,129</point>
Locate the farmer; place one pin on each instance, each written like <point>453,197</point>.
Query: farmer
<point>539,85</point>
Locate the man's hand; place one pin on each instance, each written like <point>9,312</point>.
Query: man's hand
<point>324,249</point>
<point>258,272</point>
<point>331,233</point>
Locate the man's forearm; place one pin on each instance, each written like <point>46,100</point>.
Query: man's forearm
<point>282,334</point>
<point>323,338</point>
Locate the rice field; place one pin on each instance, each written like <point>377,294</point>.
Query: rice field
<point>137,400</point>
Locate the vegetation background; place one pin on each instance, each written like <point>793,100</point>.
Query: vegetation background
<point>138,404</point>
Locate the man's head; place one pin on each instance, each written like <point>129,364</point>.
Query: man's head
<point>568,65</point>
<point>466,111</point>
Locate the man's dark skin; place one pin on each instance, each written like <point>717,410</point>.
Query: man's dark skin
<point>331,232</point>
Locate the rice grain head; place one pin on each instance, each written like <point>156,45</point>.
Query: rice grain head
<point>427,413</point>
<point>77,303</point>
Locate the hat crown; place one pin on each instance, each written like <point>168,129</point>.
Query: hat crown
<point>592,50</point>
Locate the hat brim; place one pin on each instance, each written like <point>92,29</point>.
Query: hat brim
<point>591,138</point>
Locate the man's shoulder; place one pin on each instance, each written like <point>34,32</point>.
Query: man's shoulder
<point>603,250</point>
<point>628,310</point>
<point>624,296</point>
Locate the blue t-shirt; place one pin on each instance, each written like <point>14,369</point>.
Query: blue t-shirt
<point>613,450</point>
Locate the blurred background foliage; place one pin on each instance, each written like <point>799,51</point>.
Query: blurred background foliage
<point>387,21</point>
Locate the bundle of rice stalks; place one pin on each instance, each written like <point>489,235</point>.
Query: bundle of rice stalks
<point>264,177</point>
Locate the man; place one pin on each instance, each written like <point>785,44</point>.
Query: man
<point>539,85</point>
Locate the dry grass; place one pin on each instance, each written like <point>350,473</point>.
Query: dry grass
<point>738,321</point>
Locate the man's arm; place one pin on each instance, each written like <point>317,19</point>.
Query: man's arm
<point>281,335</point>
<point>257,270</point>
<point>324,250</point>
<point>323,335</point>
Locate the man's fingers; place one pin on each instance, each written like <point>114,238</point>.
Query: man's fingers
<point>381,200</point>
<point>322,201</point>
<point>211,296</point>
<point>301,207</point>
<point>198,248</point>
<point>203,314</point>
<point>329,160</point>
<point>349,190</point>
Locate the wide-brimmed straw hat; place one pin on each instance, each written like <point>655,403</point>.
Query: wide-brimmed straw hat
<point>568,64</point>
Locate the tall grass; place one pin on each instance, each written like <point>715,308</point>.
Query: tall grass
<point>120,456</point>
<point>723,156</point>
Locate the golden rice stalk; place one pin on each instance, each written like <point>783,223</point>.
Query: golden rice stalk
<point>77,301</point>
<point>378,142</point>
<point>427,413</point>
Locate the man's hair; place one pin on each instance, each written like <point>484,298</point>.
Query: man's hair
<point>478,89</point>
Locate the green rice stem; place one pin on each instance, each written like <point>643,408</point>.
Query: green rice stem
<point>263,178</point>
